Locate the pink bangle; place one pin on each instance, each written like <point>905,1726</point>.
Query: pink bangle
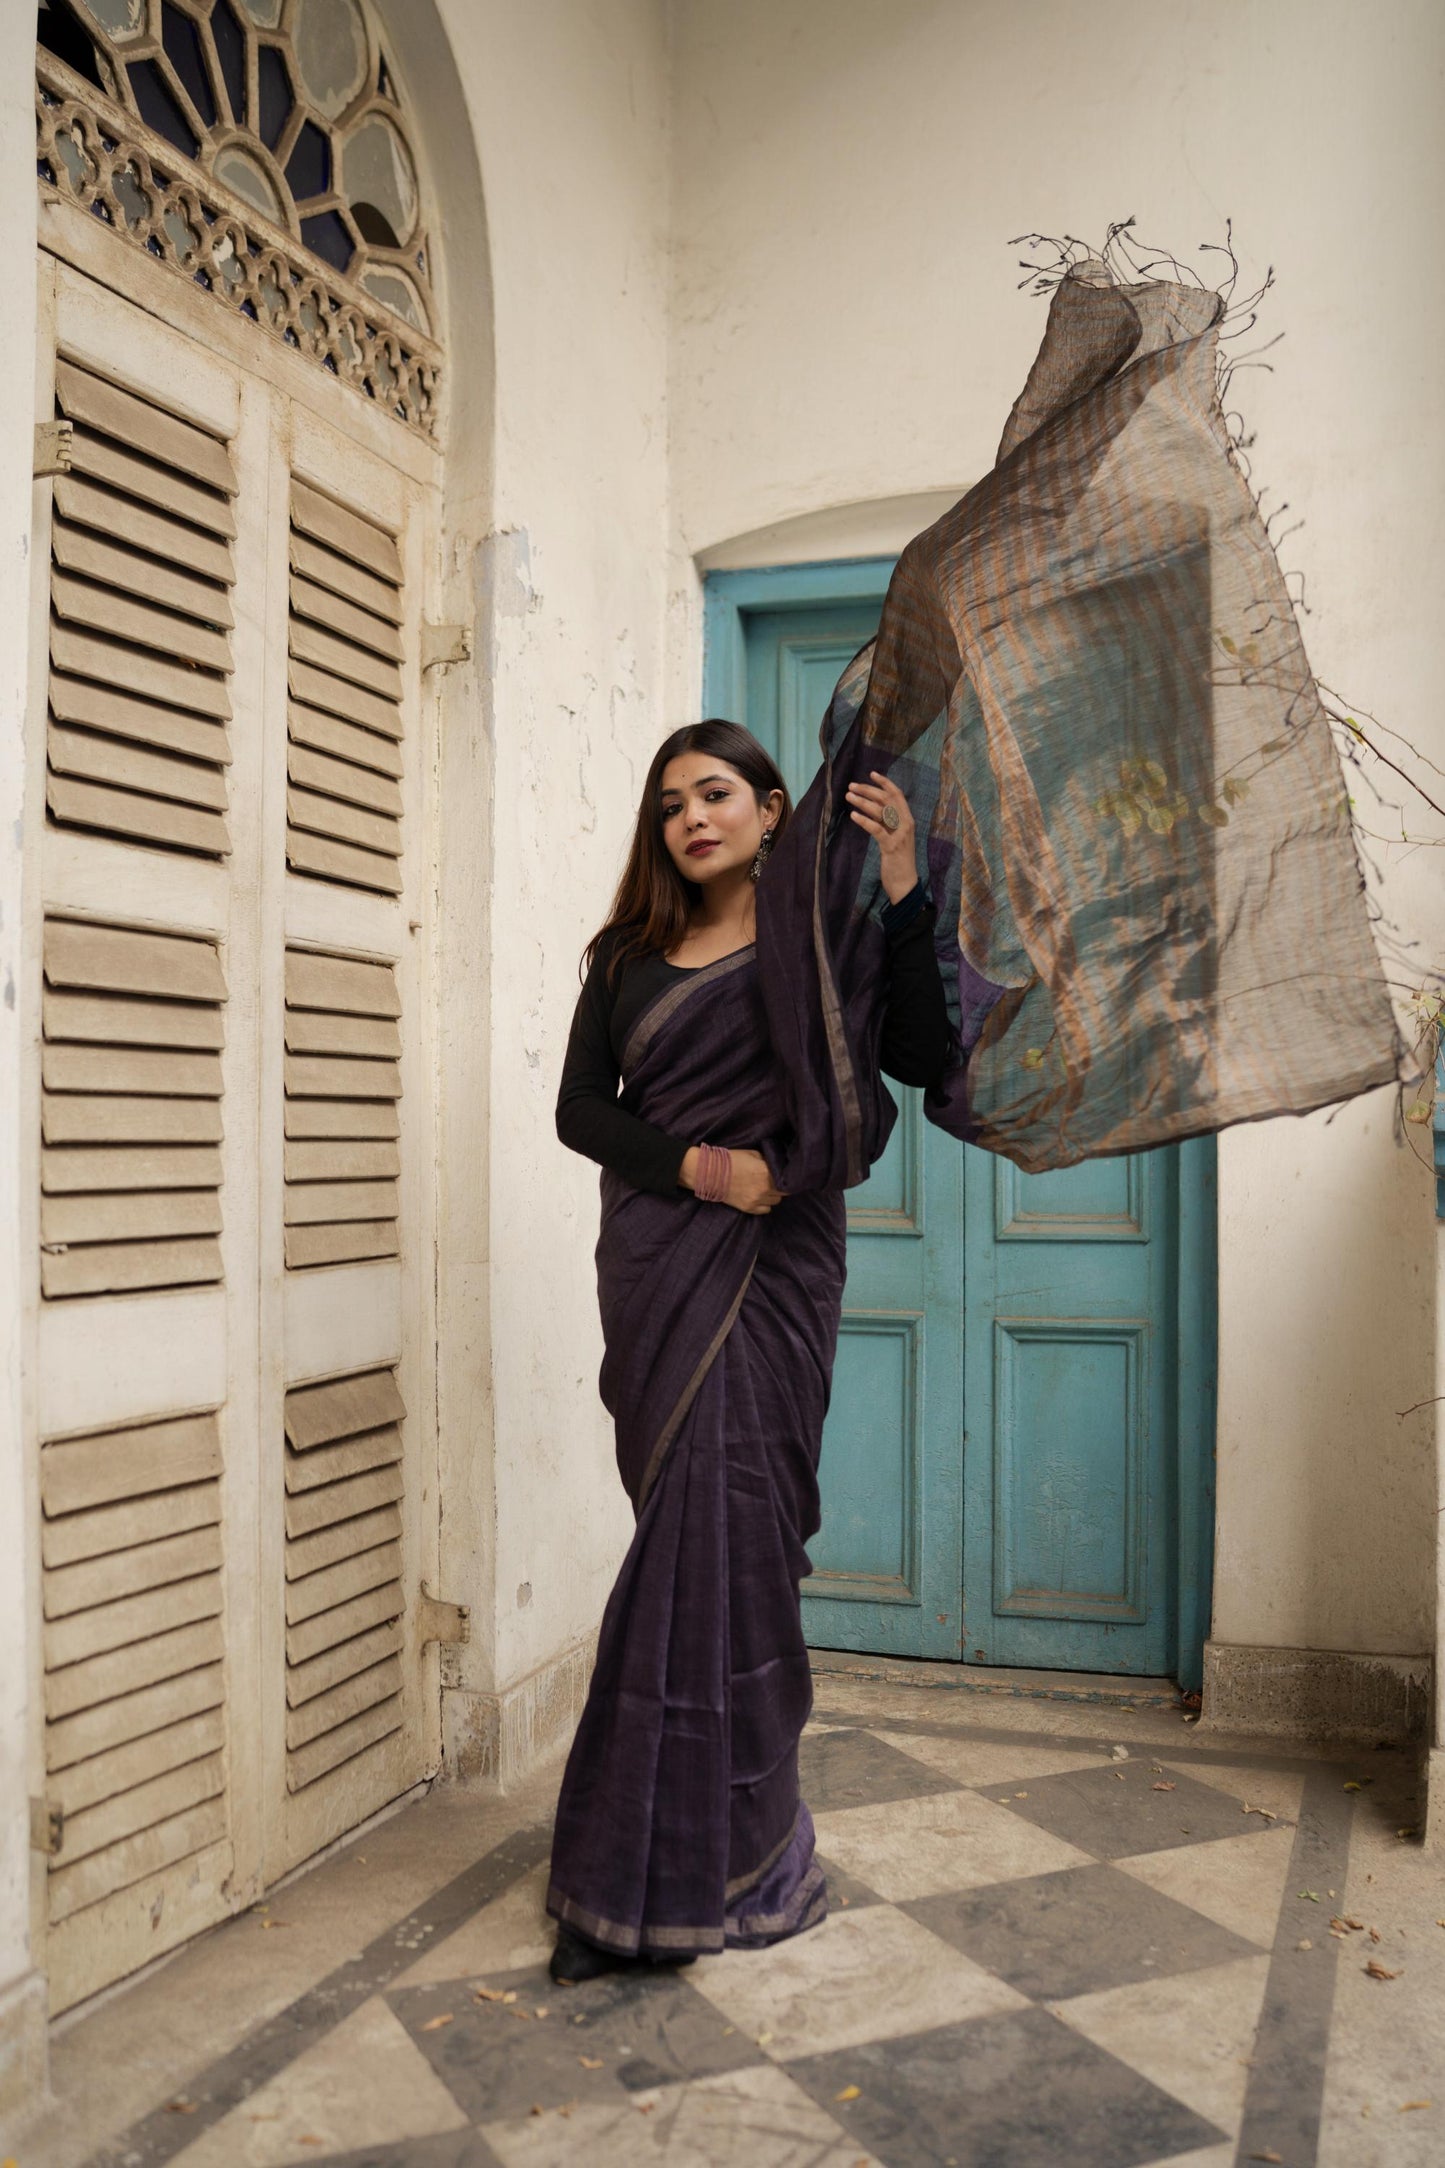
<point>714,1173</point>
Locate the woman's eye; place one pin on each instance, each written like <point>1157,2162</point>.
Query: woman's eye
<point>669,810</point>
<point>714,795</point>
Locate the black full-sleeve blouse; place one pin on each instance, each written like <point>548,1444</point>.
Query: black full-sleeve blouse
<point>914,1047</point>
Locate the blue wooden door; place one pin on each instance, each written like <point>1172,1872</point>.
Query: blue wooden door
<point>1016,1460</point>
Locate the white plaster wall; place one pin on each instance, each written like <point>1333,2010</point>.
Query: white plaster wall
<point>847,327</point>
<point>17,282</point>
<point>567,101</point>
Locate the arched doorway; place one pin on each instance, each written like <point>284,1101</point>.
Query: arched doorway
<point>231,1160</point>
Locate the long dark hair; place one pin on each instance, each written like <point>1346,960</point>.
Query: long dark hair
<point>654,902</point>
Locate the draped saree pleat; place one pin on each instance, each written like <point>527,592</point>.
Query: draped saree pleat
<point>680,1827</point>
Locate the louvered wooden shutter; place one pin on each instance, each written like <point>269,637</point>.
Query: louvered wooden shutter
<point>141,615</point>
<point>131,1115</point>
<point>344,1598</point>
<point>135,1724</point>
<point>343,1044</point>
<point>343,806</point>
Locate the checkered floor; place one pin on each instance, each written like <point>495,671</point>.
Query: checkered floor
<point>1040,1950</point>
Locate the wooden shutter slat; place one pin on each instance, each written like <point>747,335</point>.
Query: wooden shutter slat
<point>128,767</point>
<point>342,1118</point>
<point>80,1118</point>
<point>309,1638</point>
<point>307,1763</point>
<point>77,1536</point>
<point>357,747</point>
<point>113,1723</point>
<point>343,779</point>
<point>344,577</point>
<point>132,1618</point>
<point>72,1888</point>
<point>340,982</point>
<point>342,659</point>
<point>342,1160</point>
<point>338,1704</point>
<point>76,1473</point>
<point>319,606</point>
<point>114,1268</point>
<point>305,1681</point>
<point>326,1031</point>
<point>94,558</point>
<point>355,537</point>
<point>86,504</point>
<point>110,462</point>
<point>67,1170</point>
<point>153,820</point>
<point>88,654</point>
<point>342,1407</point>
<point>145,427</point>
<point>306,1511</point>
<point>148,1565</point>
<point>131,1215</point>
<point>121,960</point>
<point>126,1069</point>
<point>322,1076</point>
<point>313,1204</point>
<point>131,1020</point>
<point>157,1800</point>
<point>330,1586</point>
<point>342,862</point>
<point>140,1761</point>
<point>344,1242</point>
<point>102,609</point>
<point>76,700</point>
<point>105,1682</point>
<point>333,817</point>
<point>349,1456</point>
<point>353,703</point>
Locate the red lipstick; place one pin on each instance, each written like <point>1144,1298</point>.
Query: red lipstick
<point>695,850</point>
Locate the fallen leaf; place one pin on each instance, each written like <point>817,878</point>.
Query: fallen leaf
<point>1119,1774</point>
<point>1305,1945</point>
<point>763,2039</point>
<point>435,2024</point>
<point>182,2107</point>
<point>1267,2155</point>
<point>541,2010</point>
<point>1340,1926</point>
<point>1351,1921</point>
<point>1311,1896</point>
<point>275,1923</point>
<point>1357,1784</point>
<point>1374,1934</point>
<point>1166,1784</point>
<point>494,1994</point>
<point>1263,1812</point>
<point>1005,1800</point>
<point>1021,1795</point>
<point>1377,1971</point>
<point>590,2062</point>
<point>534,2109</point>
<point>849,2092</point>
<point>1406,2106</point>
<point>645,2107</point>
<point>1411,1829</point>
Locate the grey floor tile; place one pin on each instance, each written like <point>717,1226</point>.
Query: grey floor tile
<point>1013,2091</point>
<point>1116,1812</point>
<point>853,1769</point>
<point>1073,1933</point>
<point>642,2029</point>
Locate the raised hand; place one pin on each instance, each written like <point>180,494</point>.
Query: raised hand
<point>882,811</point>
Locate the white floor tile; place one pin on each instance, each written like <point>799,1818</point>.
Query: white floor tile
<point>365,2083</point>
<point>866,1975</point>
<point>1192,2035</point>
<point>984,1762</point>
<point>953,1840</point>
<point>754,2118</point>
<point>1238,1882</point>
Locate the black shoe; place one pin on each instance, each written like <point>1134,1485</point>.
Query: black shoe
<point>574,1960</point>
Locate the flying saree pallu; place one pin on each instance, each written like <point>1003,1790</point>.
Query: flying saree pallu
<point>1089,683</point>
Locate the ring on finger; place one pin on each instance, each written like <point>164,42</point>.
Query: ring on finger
<point>891,817</point>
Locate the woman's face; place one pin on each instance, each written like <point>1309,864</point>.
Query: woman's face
<point>712,823</point>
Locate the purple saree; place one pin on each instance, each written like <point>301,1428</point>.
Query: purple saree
<point>680,1828</point>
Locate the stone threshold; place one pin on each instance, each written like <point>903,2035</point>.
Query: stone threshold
<point>1099,1688</point>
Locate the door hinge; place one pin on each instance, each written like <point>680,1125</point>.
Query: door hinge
<point>445,643</point>
<point>47,1827</point>
<point>54,447</point>
<point>438,1621</point>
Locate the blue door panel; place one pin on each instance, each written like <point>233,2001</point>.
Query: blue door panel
<point>1001,1460</point>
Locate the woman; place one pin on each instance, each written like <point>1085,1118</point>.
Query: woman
<point>679,1827</point>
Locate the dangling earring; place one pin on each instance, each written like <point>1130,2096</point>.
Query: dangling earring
<point>762,854</point>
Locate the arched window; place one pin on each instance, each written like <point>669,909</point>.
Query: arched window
<point>258,146</point>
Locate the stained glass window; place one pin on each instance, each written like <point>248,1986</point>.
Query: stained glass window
<point>288,104</point>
